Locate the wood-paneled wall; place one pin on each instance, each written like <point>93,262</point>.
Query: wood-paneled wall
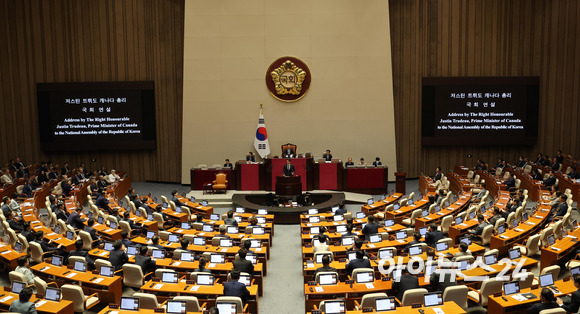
<point>486,38</point>
<point>85,41</point>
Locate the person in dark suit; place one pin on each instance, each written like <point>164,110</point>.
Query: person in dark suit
<point>23,304</point>
<point>75,179</point>
<point>550,181</point>
<point>144,261</point>
<point>60,212</point>
<point>358,262</point>
<point>573,305</point>
<point>26,232</point>
<point>27,189</point>
<point>536,176</point>
<point>125,239</point>
<point>117,256</point>
<point>46,247</point>
<point>405,282</point>
<point>14,223</point>
<point>52,174</point>
<point>510,182</point>
<point>288,170</point>
<point>349,163</point>
<point>370,228</point>
<point>75,219</point>
<point>349,233</point>
<point>496,215</point>
<point>439,280</point>
<point>438,174</point>
<point>327,156</point>
<point>416,240</point>
<point>155,243</point>
<point>288,152</point>
<point>562,208</point>
<point>481,224</point>
<point>228,164</point>
<point>547,302</point>
<point>573,174</point>
<point>229,220</point>
<point>325,267</point>
<point>66,187</point>
<point>250,157</point>
<point>65,169</point>
<point>176,200</point>
<point>102,183</point>
<point>234,288</point>
<point>242,264</point>
<point>201,268</point>
<point>559,157</point>
<point>79,251</point>
<point>90,230</point>
<point>377,162</point>
<point>341,210</point>
<point>433,235</point>
<point>102,202</point>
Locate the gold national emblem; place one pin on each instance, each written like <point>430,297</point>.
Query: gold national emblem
<point>288,79</point>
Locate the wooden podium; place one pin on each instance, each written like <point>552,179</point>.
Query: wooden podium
<point>288,186</point>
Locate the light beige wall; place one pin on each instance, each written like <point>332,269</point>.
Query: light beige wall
<point>229,44</point>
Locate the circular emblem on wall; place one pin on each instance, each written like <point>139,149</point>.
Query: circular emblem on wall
<point>288,79</point>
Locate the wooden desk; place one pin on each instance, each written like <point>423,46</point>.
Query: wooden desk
<point>11,189</point>
<point>551,255</point>
<point>447,307</point>
<point>566,183</point>
<point>328,175</point>
<point>42,306</point>
<point>504,242</point>
<point>499,306</point>
<point>381,205</point>
<point>369,180</point>
<point>200,177</point>
<point>8,256</point>
<point>399,214</point>
<point>527,183</point>
<point>110,289</point>
<point>206,294</point>
<point>196,207</point>
<point>460,205</point>
<point>108,310</point>
<point>344,290</point>
<point>120,188</point>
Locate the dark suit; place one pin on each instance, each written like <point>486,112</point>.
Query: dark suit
<point>75,221</point>
<point>16,226</point>
<point>127,242</point>
<point>327,157</point>
<point>348,164</point>
<point>438,176</point>
<point>102,202</point>
<point>323,269</point>
<point>251,158</point>
<point>510,183</point>
<point>60,214</point>
<point>377,163</point>
<point>243,265</point>
<point>231,166</point>
<point>562,209</point>
<point>92,232</point>
<point>230,222</point>
<point>102,184</point>
<point>288,152</point>
<point>66,189</point>
<point>439,284</point>
<point>52,175</point>
<point>28,235</point>
<point>405,283</point>
<point>118,258</point>
<point>357,263</point>
<point>177,202</point>
<point>370,228</point>
<point>574,304</point>
<point>538,307</point>
<point>573,175</point>
<point>432,237</point>
<point>45,247</point>
<point>146,263</point>
<point>406,249</point>
<point>235,288</point>
<point>63,171</point>
<point>27,190</point>
<point>85,254</point>
<point>479,228</point>
<point>288,170</point>
<point>550,181</point>
<point>6,210</point>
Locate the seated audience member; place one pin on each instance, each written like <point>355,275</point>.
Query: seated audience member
<point>23,304</point>
<point>550,181</point>
<point>349,163</point>
<point>155,243</point>
<point>230,220</point>
<point>14,206</point>
<point>341,210</point>
<point>125,239</point>
<point>201,268</point>
<point>66,187</point>
<point>536,176</point>
<point>377,162</point>
<point>79,251</point>
<point>433,235</point>
<point>349,233</point>
<point>548,301</point>
<point>5,205</point>
<point>440,280</point>
<point>242,264</point>
<point>496,215</point>
<point>113,176</point>
<point>144,260</point>
<point>102,183</point>
<point>463,251</point>
<point>510,182</point>
<point>481,224</point>
<point>5,177</point>
<point>24,269</point>
<point>481,194</point>
<point>27,231</point>
<point>440,198</point>
<point>572,305</point>
<point>90,230</point>
<point>370,228</point>
<point>325,267</point>
<point>250,157</point>
<point>75,220</point>
<point>228,164</point>
<point>175,199</point>
<point>27,189</point>
<point>234,288</point>
<point>127,218</point>
<point>357,246</point>
<point>46,247</point>
<point>322,246</point>
<point>438,174</point>
<point>14,223</point>
<point>102,201</point>
<point>117,256</point>
<point>222,230</point>
<point>247,245</point>
<point>416,240</point>
<point>562,208</point>
<point>573,174</point>
<point>406,282</point>
<point>60,212</point>
<point>359,262</point>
